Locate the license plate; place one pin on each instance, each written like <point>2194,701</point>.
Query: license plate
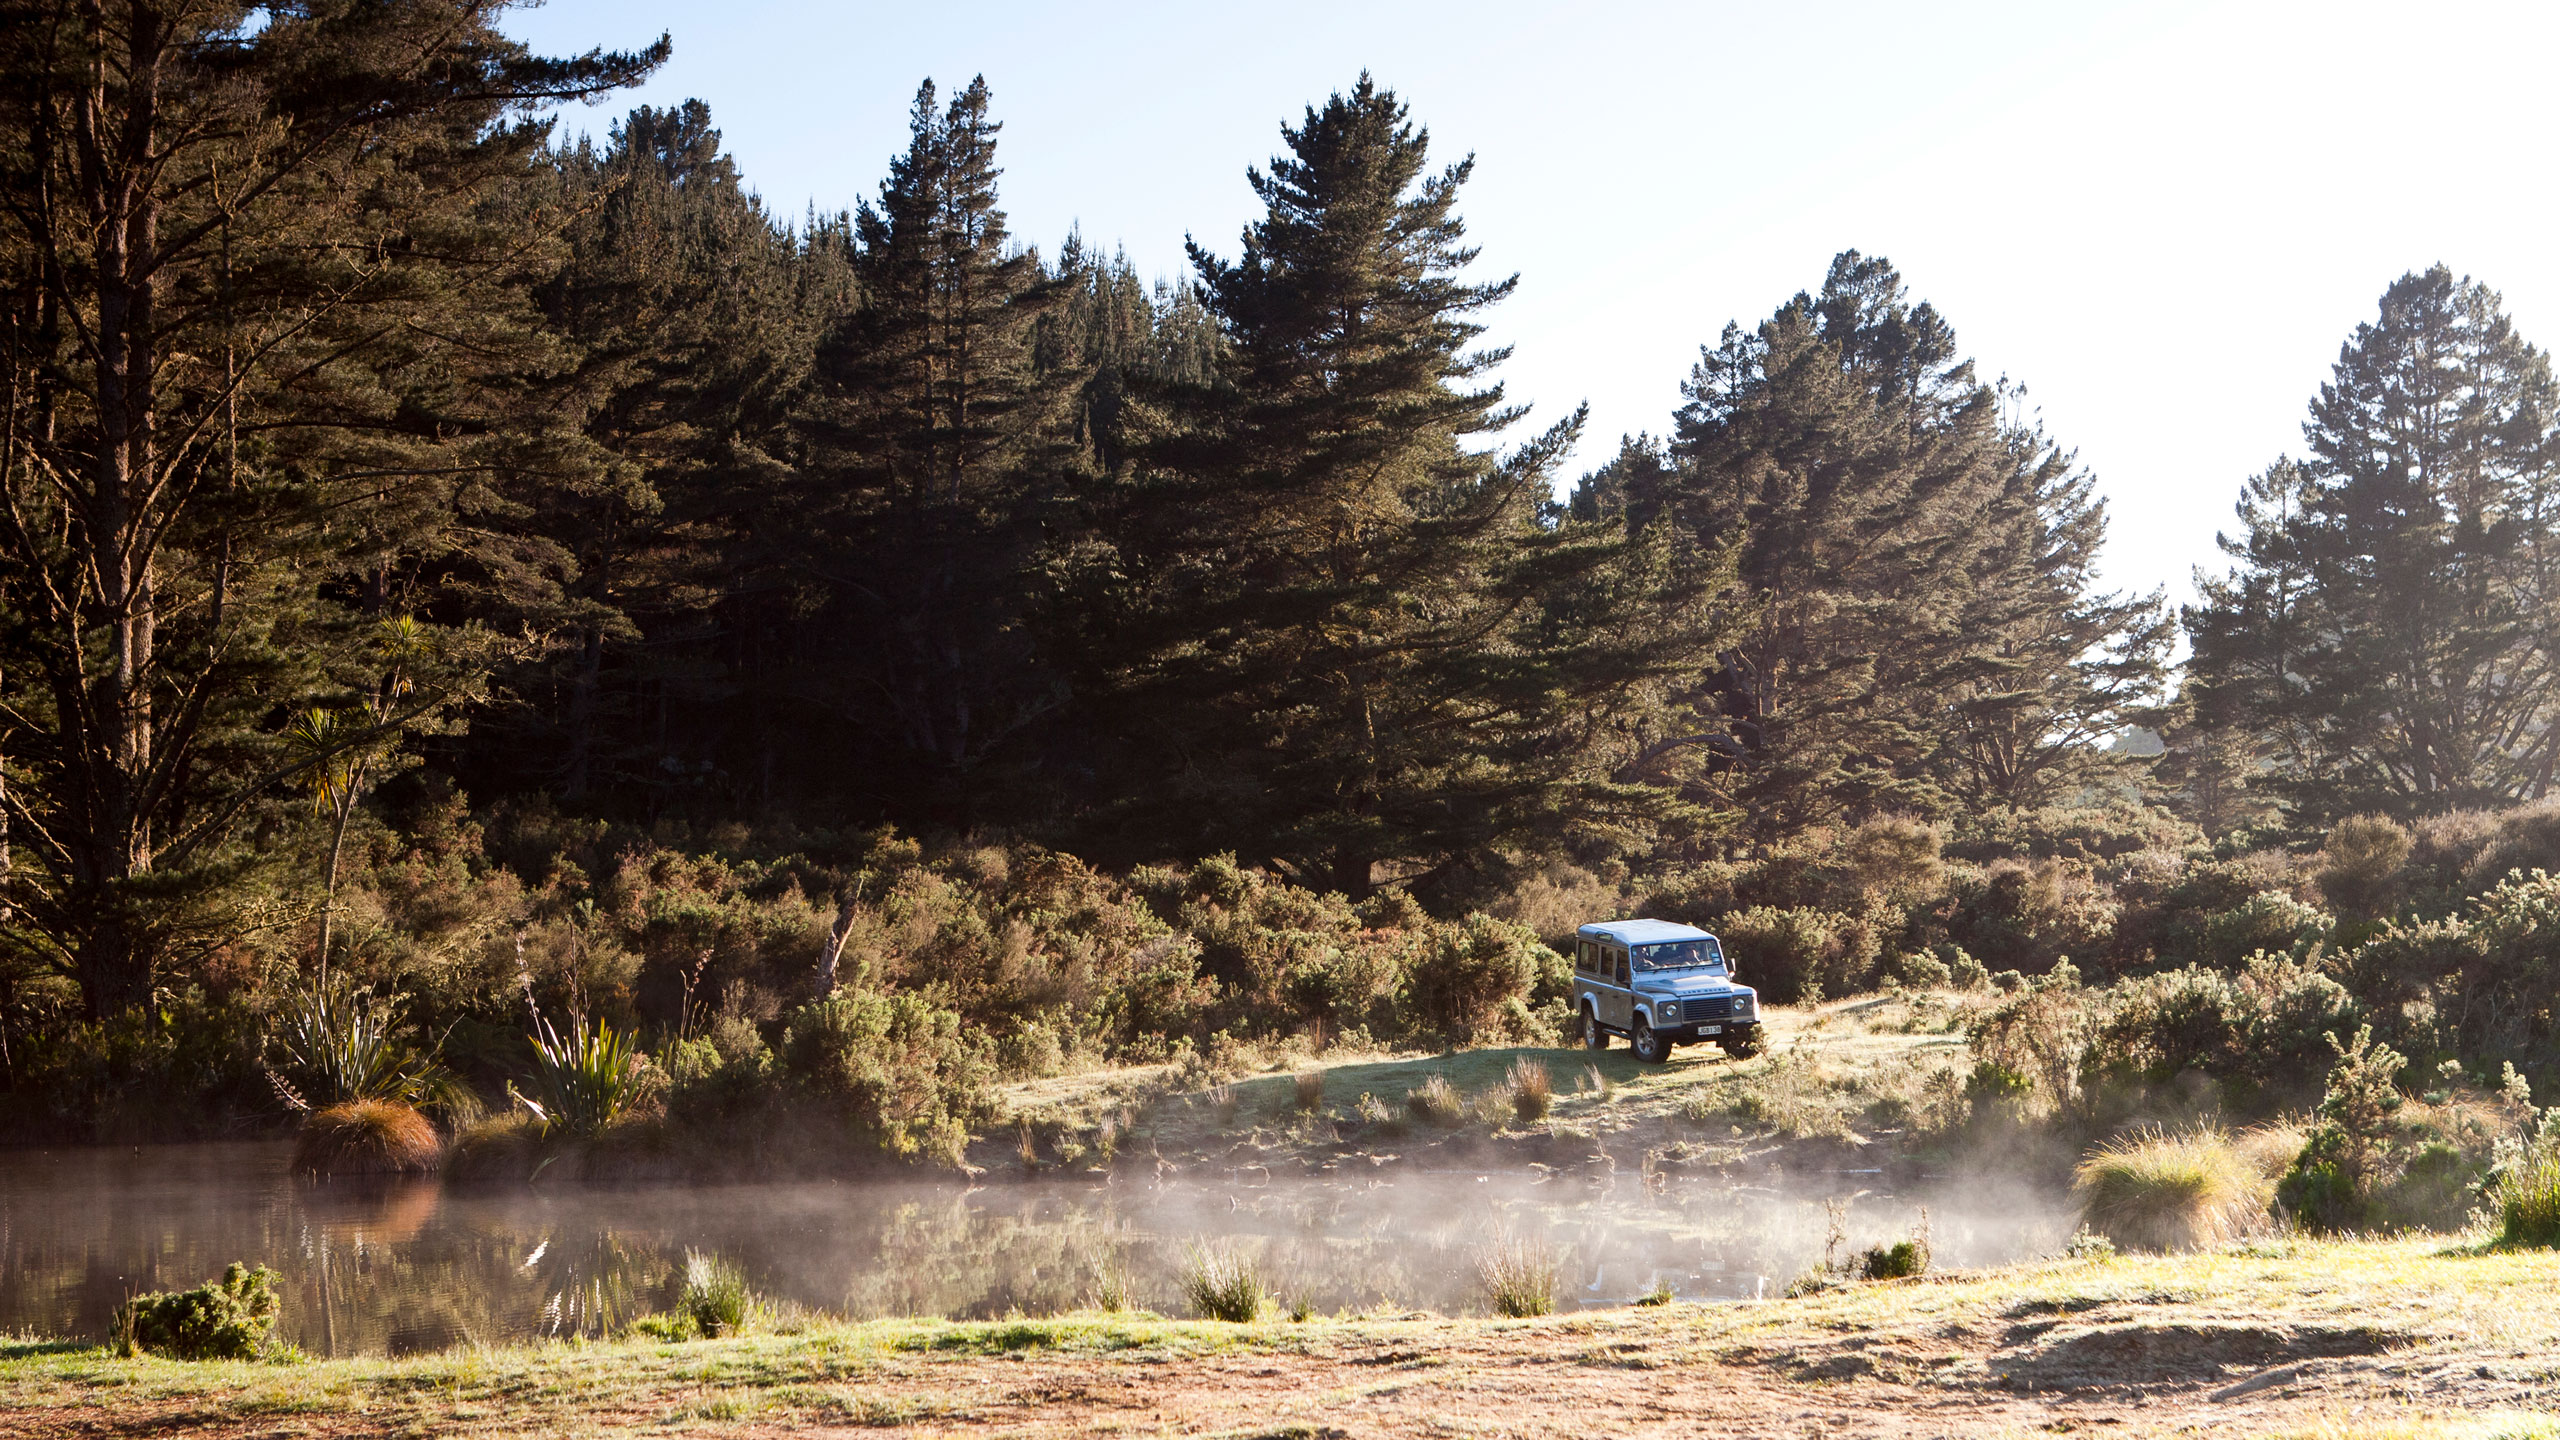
<point>1710,1030</point>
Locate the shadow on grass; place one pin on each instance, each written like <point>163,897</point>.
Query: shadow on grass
<point>1471,1071</point>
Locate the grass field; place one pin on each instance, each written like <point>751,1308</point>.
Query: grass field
<point>2412,1337</point>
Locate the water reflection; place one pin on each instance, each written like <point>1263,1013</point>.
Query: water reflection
<point>405,1265</point>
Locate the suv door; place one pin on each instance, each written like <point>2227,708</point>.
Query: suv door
<point>1617,997</point>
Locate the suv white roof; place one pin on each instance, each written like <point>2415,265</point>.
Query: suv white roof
<point>1642,932</point>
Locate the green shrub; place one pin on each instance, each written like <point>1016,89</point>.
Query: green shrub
<point>1519,1277</point>
<point>1963,971</point>
<point>583,1081</point>
<point>1898,1261</point>
<point>2318,1192</point>
<point>2026,914</point>
<point>1794,953</point>
<point>337,1046</point>
<point>233,1318</point>
<point>1467,974</point>
<point>2268,920</point>
<point>1920,970</point>
<point>1222,1282</point>
<point>2360,866</point>
<point>2155,1191</point>
<point>897,1072</point>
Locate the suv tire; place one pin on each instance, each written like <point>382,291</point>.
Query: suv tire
<point>1593,1037</point>
<point>1650,1046</point>
<point>1743,1044</point>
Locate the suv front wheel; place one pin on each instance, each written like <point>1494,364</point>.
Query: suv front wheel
<point>1743,1043</point>
<point>1650,1047</point>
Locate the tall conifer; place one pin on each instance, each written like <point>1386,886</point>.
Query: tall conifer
<point>2386,633</point>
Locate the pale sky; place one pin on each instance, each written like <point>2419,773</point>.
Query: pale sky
<point>2163,219</point>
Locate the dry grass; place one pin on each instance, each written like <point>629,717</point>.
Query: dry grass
<point>1519,1277</point>
<point>2528,1199</point>
<point>1310,1089</point>
<point>2158,1191</point>
<point>367,1137</point>
<point>1222,1282</point>
<point>1532,1088</point>
<point>1436,1101</point>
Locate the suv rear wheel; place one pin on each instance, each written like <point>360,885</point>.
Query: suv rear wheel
<point>1593,1037</point>
<point>1650,1047</point>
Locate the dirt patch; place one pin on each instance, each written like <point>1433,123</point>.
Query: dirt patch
<point>2151,1354</point>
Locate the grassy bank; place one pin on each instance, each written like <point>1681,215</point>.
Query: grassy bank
<point>1859,1077</point>
<point>2352,1339</point>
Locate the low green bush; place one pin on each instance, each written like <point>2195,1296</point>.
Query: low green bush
<point>1898,1261</point>
<point>585,1080</point>
<point>233,1318</point>
<point>900,1074</point>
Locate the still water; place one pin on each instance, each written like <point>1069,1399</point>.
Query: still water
<point>397,1267</point>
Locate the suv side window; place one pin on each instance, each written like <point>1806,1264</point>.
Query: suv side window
<point>1622,967</point>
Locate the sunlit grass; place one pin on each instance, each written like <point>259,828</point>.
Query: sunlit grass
<point>2443,1297</point>
<point>2157,1191</point>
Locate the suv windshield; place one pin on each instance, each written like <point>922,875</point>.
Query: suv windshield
<point>1680,955</point>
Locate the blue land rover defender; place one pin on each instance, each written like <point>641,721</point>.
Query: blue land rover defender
<point>1660,985</point>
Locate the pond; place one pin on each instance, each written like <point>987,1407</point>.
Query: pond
<point>403,1266</point>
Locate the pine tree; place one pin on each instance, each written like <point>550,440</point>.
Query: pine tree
<point>1925,634</point>
<point>693,323</point>
<point>2385,633</point>
<point>1339,648</point>
<point>259,352</point>
<point>931,463</point>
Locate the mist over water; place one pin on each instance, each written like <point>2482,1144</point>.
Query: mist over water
<point>403,1266</point>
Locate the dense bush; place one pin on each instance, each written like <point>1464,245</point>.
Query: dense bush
<point>1470,978</point>
<point>901,1076</point>
<point>1791,954</point>
<point>233,1318</point>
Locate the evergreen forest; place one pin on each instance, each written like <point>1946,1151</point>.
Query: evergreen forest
<point>484,615</point>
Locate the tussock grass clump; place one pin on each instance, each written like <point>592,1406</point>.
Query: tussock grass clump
<point>366,1137</point>
<point>2528,1197</point>
<point>1224,1283</point>
<point>1436,1102</point>
<point>2157,1191</point>
<point>716,1297</point>
<point>234,1318</point>
<point>1532,1089</point>
<point>1519,1277</point>
<point>1310,1090</point>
